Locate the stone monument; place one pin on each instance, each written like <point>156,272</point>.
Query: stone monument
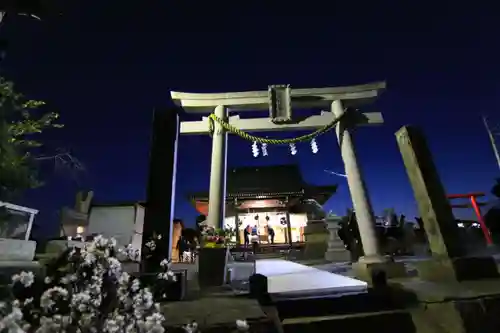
<point>75,220</point>
<point>449,258</point>
<point>456,292</point>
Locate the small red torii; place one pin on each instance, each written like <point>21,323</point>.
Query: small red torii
<point>474,205</point>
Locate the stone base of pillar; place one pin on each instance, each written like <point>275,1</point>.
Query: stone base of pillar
<point>378,269</point>
<point>337,254</point>
<point>458,269</point>
<point>475,312</point>
<point>316,236</point>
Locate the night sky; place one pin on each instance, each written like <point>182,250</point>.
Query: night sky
<point>105,65</point>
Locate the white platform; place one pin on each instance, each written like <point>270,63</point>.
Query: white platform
<point>287,279</point>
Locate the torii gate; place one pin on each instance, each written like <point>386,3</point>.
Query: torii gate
<point>280,100</point>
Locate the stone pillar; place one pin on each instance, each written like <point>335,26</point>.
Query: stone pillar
<point>440,226</point>
<point>372,266</point>
<point>433,206</point>
<point>336,251</point>
<point>217,194</point>
<point>357,189</point>
<point>160,193</point>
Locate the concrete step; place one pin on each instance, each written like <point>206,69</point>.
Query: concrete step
<point>370,301</point>
<point>389,321</point>
<point>374,311</point>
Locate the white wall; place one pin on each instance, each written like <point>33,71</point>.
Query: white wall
<point>113,221</point>
<point>298,220</point>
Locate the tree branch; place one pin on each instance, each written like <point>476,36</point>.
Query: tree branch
<point>63,160</point>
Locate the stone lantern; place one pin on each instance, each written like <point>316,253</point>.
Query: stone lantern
<point>336,251</point>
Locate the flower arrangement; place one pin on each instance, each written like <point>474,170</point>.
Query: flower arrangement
<point>84,291</point>
<point>215,237</point>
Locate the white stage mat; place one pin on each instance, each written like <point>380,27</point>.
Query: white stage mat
<point>287,279</point>
<point>272,267</point>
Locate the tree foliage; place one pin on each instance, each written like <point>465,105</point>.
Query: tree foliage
<point>20,126</point>
<point>33,8</point>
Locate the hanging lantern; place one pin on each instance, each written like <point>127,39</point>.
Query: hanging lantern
<point>314,146</point>
<point>255,149</point>
<point>293,149</point>
<point>283,221</point>
<point>263,147</point>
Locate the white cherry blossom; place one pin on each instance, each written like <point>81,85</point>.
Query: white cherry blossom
<point>83,288</point>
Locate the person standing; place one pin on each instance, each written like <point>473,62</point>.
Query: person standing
<point>182,247</point>
<point>255,239</point>
<point>270,232</point>
<point>246,236</point>
<point>254,230</point>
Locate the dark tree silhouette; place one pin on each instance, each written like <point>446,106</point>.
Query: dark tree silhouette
<point>190,234</point>
<point>492,216</point>
<point>37,9</point>
<point>34,9</point>
<point>496,189</point>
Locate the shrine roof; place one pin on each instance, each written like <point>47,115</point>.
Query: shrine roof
<point>268,182</point>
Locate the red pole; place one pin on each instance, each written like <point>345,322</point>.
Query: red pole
<point>477,210</point>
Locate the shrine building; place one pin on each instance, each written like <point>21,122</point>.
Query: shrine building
<point>275,196</point>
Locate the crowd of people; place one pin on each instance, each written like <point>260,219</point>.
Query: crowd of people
<point>189,241</point>
<point>251,236</point>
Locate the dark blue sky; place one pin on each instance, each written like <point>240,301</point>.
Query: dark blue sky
<point>104,65</point>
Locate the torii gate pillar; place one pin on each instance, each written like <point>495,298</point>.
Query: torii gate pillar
<point>357,188</point>
<point>218,167</point>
